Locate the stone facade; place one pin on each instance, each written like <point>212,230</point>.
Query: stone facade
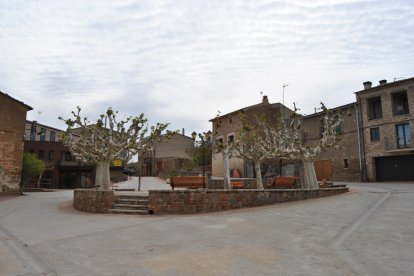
<point>12,128</point>
<point>229,127</point>
<point>381,112</point>
<point>202,201</point>
<point>343,164</point>
<point>93,201</point>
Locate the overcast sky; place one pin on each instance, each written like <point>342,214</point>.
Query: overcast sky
<point>182,61</point>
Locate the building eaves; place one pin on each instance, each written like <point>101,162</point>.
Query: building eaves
<point>332,109</point>
<point>384,86</point>
<point>246,109</point>
<point>13,99</point>
<point>29,122</point>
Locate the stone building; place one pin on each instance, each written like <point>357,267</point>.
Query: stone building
<point>166,156</point>
<point>228,131</point>
<point>386,121</point>
<point>12,128</point>
<point>343,164</point>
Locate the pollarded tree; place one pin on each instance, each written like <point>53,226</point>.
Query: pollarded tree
<point>254,145</point>
<point>108,139</point>
<point>291,145</point>
<point>227,150</point>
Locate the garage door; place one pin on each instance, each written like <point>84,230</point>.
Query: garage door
<point>395,168</point>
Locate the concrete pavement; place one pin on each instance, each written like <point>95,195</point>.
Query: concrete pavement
<point>368,231</point>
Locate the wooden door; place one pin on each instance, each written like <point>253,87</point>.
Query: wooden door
<point>323,169</point>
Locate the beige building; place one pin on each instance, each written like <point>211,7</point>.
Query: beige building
<point>166,156</point>
<point>12,129</point>
<point>228,130</point>
<point>343,164</point>
<point>387,121</point>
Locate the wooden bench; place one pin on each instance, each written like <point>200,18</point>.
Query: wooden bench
<point>237,184</point>
<point>192,182</point>
<point>282,182</point>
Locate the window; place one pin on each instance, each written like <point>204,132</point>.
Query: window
<point>68,156</point>
<point>374,108</point>
<point>345,163</point>
<point>375,134</point>
<point>230,138</point>
<point>403,135</point>
<point>41,154</point>
<point>400,103</point>
<point>42,134</point>
<point>33,132</point>
<point>220,140</point>
<point>338,128</point>
<point>52,136</point>
<point>51,154</point>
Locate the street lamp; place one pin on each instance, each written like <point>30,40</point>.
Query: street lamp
<point>206,136</point>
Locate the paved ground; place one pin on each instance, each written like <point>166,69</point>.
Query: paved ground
<point>369,231</point>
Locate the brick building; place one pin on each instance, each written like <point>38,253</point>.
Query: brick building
<point>343,164</point>
<point>13,117</point>
<point>386,122</point>
<point>230,125</point>
<point>62,171</point>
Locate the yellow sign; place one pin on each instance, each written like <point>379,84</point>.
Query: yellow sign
<point>117,163</point>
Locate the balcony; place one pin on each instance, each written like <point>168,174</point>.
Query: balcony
<point>394,146</point>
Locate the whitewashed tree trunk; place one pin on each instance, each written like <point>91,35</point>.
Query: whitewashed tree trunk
<point>98,176</point>
<point>308,178</point>
<point>259,180</point>
<point>227,184</point>
<point>106,181</point>
<point>102,176</point>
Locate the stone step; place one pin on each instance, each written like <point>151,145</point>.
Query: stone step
<point>133,196</point>
<point>131,201</point>
<point>130,206</point>
<point>129,211</point>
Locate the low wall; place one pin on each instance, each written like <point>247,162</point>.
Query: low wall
<point>202,201</point>
<point>93,201</point>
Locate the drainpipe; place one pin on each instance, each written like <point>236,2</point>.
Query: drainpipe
<point>361,142</point>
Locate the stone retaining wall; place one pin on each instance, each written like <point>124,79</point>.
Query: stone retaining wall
<point>93,201</point>
<point>202,201</point>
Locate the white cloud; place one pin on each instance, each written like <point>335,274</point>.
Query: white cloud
<point>181,61</point>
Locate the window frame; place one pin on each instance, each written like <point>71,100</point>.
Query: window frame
<point>42,135</point>
<point>52,136</point>
<point>406,137</point>
<point>373,111</point>
<point>401,96</point>
<point>377,131</point>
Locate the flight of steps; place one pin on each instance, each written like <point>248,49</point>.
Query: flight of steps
<point>131,204</point>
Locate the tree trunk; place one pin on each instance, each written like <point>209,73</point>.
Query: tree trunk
<point>102,177</point>
<point>106,180</point>
<point>308,175</point>
<point>227,183</point>
<point>259,180</point>
<point>98,176</point>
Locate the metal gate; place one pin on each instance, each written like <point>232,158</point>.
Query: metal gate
<point>395,168</point>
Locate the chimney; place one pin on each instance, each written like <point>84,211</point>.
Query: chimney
<point>367,85</point>
<point>183,132</point>
<point>382,82</point>
<point>265,100</point>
